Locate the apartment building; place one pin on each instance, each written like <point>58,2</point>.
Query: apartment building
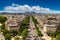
<point>50,26</point>
<point>13,22</point>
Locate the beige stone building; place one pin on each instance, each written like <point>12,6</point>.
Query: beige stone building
<point>50,28</point>
<point>13,22</point>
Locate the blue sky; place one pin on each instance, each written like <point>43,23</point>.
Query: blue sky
<point>51,4</point>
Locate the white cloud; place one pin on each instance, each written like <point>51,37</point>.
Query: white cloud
<point>25,8</point>
<point>1,11</point>
<point>15,4</point>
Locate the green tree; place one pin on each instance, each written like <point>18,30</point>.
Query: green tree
<point>14,32</point>
<point>25,24</point>
<point>7,36</point>
<point>16,38</point>
<point>3,19</point>
<point>5,31</point>
<point>24,27</point>
<point>3,26</point>
<point>24,33</point>
<point>58,37</point>
<point>34,20</point>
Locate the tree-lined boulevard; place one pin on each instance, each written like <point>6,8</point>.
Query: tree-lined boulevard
<point>29,29</point>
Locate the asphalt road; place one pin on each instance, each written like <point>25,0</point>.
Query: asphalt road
<point>45,36</point>
<point>32,31</point>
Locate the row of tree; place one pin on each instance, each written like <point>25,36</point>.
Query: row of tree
<point>35,22</point>
<point>24,27</point>
<point>39,32</point>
